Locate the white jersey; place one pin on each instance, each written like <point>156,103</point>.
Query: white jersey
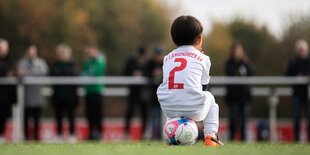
<point>185,70</point>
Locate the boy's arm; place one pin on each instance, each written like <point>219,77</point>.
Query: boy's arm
<point>206,71</point>
<point>206,74</point>
<point>206,87</point>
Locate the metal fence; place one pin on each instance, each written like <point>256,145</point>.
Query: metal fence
<point>271,87</point>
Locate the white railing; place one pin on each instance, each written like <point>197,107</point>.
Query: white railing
<point>272,87</point>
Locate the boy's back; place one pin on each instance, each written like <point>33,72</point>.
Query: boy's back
<point>185,70</point>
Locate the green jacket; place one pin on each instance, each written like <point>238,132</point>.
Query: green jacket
<point>94,67</point>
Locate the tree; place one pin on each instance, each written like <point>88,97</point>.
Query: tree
<point>297,28</point>
<point>125,24</point>
<point>259,44</point>
<point>217,44</point>
<point>117,26</point>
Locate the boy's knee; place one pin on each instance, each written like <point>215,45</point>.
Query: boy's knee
<point>215,105</point>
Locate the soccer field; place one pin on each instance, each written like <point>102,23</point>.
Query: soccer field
<point>152,148</point>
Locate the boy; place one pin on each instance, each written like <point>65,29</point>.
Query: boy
<point>183,92</point>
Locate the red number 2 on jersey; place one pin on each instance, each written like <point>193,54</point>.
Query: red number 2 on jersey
<point>171,84</point>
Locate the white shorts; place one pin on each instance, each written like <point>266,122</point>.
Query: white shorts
<point>197,115</point>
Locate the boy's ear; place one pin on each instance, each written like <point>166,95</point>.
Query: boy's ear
<point>199,40</point>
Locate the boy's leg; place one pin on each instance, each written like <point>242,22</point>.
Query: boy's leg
<point>211,125</point>
<point>211,121</point>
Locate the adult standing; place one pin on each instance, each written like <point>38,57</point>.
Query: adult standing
<point>94,66</point>
<point>31,65</point>
<point>65,98</point>
<point>8,93</point>
<point>299,66</point>
<point>238,96</point>
<point>153,70</point>
<point>135,67</point>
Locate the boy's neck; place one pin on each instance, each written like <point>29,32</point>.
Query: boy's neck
<point>197,47</point>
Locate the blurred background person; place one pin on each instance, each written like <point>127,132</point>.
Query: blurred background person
<point>135,67</point>
<point>8,93</point>
<point>65,98</point>
<point>300,66</point>
<point>238,96</point>
<point>95,65</point>
<point>32,65</point>
<point>153,70</point>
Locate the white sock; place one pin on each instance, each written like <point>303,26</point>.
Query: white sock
<point>211,122</point>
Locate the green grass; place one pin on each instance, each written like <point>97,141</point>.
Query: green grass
<point>152,148</point>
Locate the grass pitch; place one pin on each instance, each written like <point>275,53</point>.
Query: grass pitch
<point>152,148</point>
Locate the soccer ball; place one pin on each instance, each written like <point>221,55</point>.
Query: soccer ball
<point>180,131</point>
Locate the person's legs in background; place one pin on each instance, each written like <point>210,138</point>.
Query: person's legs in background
<point>70,110</point>
<point>36,113</point>
<point>58,109</point>
<point>94,116</point>
<point>155,113</point>
<point>27,113</point>
<point>143,113</point>
<point>156,122</point>
<point>97,116</point>
<point>4,115</point>
<point>233,111</point>
<point>296,117</point>
<point>308,119</point>
<point>132,99</point>
<point>243,110</point>
<point>308,122</point>
<point>89,117</point>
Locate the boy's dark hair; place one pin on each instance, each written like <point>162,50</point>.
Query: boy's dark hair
<point>185,30</point>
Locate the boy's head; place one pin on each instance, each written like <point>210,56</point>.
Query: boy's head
<point>186,30</point>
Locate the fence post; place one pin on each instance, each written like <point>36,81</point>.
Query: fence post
<point>18,115</point>
<point>273,103</point>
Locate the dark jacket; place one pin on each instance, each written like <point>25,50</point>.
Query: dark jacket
<point>149,69</point>
<point>8,92</point>
<point>238,93</point>
<point>64,93</point>
<point>131,66</point>
<point>299,67</point>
